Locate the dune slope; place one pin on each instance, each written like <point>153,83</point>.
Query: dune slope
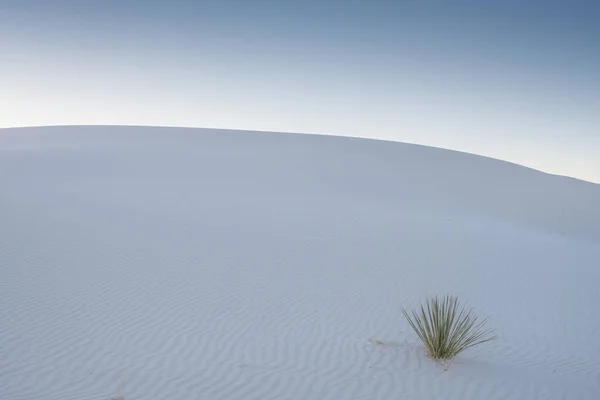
<point>157,263</point>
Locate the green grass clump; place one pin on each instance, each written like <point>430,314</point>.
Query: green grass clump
<point>446,328</point>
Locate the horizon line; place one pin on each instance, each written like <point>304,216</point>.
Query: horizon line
<point>302,133</point>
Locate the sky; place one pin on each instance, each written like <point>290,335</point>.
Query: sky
<point>513,80</point>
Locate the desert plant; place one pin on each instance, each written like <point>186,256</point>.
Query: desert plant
<point>446,328</point>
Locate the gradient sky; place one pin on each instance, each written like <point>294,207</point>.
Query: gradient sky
<point>514,80</point>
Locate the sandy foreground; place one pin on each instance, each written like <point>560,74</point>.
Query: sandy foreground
<point>165,263</point>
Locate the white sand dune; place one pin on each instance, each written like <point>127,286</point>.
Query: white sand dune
<point>163,263</point>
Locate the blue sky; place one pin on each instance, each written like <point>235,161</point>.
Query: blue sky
<point>514,80</point>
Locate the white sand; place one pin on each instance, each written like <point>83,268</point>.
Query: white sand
<point>161,263</point>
